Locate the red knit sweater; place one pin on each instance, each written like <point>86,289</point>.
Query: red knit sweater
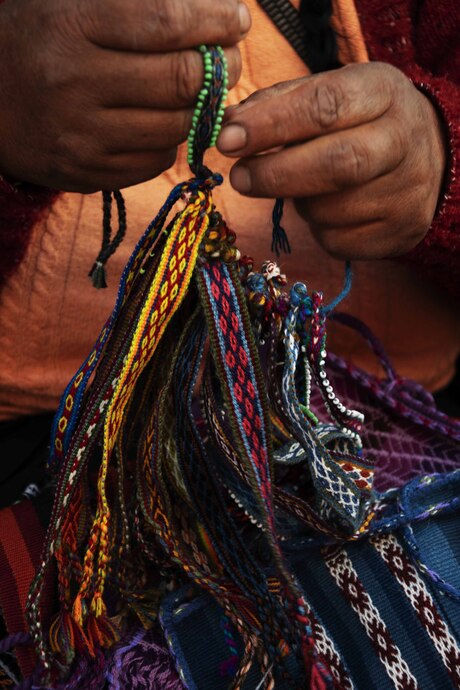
<point>422,38</point>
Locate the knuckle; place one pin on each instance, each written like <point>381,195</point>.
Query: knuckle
<point>347,163</point>
<point>272,179</point>
<point>172,20</point>
<point>328,103</point>
<point>77,151</point>
<point>390,76</point>
<point>186,68</point>
<point>65,147</point>
<point>392,84</point>
<point>58,75</point>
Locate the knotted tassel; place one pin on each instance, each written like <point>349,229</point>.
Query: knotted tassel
<point>280,241</point>
<point>102,632</point>
<point>98,275</point>
<point>67,638</point>
<point>109,246</point>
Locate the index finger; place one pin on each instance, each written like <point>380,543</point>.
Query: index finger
<point>162,26</point>
<point>307,108</point>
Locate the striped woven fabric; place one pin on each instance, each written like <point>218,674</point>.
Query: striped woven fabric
<point>379,622</point>
<point>22,533</point>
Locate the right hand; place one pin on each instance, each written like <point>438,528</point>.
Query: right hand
<point>98,94</point>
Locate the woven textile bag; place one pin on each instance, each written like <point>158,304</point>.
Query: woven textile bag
<point>405,435</point>
<point>385,610</point>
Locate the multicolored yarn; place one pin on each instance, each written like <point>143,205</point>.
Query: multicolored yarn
<point>169,439</point>
<point>229,667</point>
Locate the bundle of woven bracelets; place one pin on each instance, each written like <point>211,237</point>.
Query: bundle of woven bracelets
<point>186,451</point>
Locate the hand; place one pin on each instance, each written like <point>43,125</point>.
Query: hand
<point>360,149</point>
<point>97,94</point>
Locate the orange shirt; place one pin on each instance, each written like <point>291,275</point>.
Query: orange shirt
<point>50,315</point>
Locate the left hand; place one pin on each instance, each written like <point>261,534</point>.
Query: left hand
<point>360,150</point>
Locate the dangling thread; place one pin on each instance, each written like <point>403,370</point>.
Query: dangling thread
<point>109,246</point>
<point>280,241</point>
<point>345,290</point>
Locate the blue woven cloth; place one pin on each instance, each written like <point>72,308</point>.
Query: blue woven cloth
<point>379,614</point>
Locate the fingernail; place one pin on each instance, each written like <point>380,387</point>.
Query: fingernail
<point>232,138</point>
<point>245,18</point>
<point>240,177</point>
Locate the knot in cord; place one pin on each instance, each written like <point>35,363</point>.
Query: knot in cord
<point>206,182</point>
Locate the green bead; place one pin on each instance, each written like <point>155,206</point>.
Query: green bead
<point>209,56</point>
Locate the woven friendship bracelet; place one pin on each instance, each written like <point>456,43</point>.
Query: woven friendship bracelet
<point>168,288</point>
<point>170,440</point>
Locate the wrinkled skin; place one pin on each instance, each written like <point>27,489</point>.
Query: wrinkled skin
<point>97,94</point>
<point>360,150</point>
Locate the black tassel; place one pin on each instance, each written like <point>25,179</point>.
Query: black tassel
<point>109,246</point>
<point>280,241</point>
<point>97,275</point>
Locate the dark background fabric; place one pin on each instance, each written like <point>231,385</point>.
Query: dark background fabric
<point>24,446</point>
